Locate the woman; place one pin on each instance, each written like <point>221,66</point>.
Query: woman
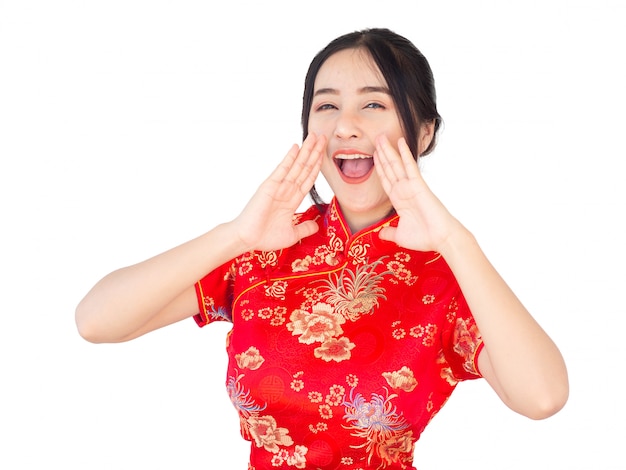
<point>354,321</point>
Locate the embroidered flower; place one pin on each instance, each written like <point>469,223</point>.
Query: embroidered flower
<point>335,350</point>
<point>337,390</point>
<point>297,385</point>
<point>397,449</point>
<point>402,257</point>
<point>467,339</point>
<point>301,265</point>
<point>209,303</point>
<point>277,290</point>
<point>267,434</point>
<point>398,333</point>
<point>298,459</point>
<point>428,299</point>
<point>315,397</point>
<point>334,400</point>
<point>358,253</point>
<point>352,380</point>
<point>250,359</point>
<point>247,314</point>
<point>402,379</point>
<point>318,325</point>
<point>267,258</point>
<point>326,411</point>
<point>245,268</point>
<point>265,313</point>
<point>355,293</point>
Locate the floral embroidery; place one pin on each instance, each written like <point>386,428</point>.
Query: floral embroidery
<point>398,333</point>
<point>245,268</point>
<point>317,326</point>
<point>383,430</point>
<point>399,269</point>
<point>402,379</point>
<point>296,459</point>
<point>335,350</point>
<point>312,296</point>
<point>297,384</point>
<point>240,398</point>
<point>267,434</point>
<point>250,359</point>
<point>446,371</point>
<point>355,293</point>
<point>276,289</point>
<point>358,252</point>
<point>326,411</point>
<point>323,254</point>
<point>267,258</point>
<point>275,315</point>
<point>427,333</point>
<point>352,380</point>
<point>466,342</point>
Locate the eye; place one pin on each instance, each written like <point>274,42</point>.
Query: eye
<point>374,106</point>
<point>325,106</point>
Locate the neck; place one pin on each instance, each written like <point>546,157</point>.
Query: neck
<point>357,221</point>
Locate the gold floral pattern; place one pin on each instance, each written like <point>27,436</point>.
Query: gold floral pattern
<point>355,293</point>
<point>402,379</point>
<point>250,359</point>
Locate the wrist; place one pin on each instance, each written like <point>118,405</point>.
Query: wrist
<point>458,243</point>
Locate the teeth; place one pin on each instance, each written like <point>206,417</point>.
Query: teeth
<point>352,156</point>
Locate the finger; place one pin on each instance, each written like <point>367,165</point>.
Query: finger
<point>282,170</point>
<point>306,229</point>
<point>388,234</point>
<point>305,160</point>
<point>410,163</point>
<point>391,163</point>
<point>311,164</point>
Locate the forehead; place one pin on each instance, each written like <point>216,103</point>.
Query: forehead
<point>349,68</point>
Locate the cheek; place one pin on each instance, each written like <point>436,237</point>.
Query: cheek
<point>318,127</point>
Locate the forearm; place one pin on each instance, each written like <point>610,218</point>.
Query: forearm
<point>525,366</point>
<point>129,298</point>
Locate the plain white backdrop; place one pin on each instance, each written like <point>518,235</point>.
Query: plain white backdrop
<point>127,127</point>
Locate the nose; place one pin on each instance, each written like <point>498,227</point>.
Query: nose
<point>347,125</point>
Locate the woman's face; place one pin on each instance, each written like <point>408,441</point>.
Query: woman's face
<point>351,107</point>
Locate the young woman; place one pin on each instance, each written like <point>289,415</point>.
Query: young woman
<point>353,322</point>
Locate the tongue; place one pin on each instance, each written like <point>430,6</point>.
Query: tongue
<point>357,168</point>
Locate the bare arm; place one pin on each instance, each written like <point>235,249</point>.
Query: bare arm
<point>519,360</point>
<point>159,291</point>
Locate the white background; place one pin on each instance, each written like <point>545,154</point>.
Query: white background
<point>127,127</point>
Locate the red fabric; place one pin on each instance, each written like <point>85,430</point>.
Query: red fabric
<point>342,347</point>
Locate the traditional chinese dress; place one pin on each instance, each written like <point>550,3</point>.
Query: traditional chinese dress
<point>343,346</point>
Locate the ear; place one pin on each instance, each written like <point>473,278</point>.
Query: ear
<point>426,136</point>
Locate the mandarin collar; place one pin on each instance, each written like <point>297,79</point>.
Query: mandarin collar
<point>335,222</point>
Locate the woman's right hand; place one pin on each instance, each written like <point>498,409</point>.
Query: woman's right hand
<point>266,223</point>
<point>134,300</point>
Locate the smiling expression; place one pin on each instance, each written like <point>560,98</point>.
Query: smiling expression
<point>351,107</point>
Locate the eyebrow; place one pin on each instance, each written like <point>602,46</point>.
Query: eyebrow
<point>361,91</point>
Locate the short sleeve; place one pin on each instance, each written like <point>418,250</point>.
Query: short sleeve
<point>462,341</point>
<point>215,293</point>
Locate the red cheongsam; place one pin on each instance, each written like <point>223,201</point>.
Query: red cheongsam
<point>343,347</point>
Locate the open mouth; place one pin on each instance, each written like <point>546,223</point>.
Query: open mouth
<point>354,168</point>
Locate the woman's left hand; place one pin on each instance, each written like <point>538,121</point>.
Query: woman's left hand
<point>425,224</point>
